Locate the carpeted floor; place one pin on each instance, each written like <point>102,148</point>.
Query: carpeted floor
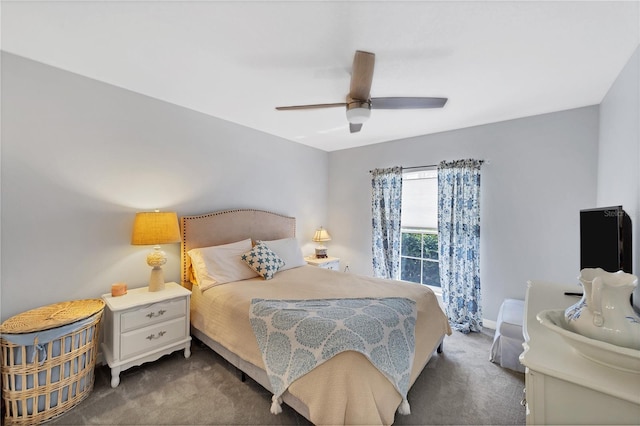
<point>458,387</point>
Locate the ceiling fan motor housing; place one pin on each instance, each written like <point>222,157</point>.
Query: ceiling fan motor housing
<point>358,111</point>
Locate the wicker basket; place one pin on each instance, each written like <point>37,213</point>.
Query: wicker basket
<point>55,371</point>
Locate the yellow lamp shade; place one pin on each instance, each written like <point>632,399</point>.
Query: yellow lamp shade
<point>152,228</point>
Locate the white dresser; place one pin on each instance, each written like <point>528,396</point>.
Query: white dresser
<point>141,326</point>
<point>563,387</point>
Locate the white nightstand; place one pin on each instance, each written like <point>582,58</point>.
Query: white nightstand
<point>332,263</point>
<point>141,326</point>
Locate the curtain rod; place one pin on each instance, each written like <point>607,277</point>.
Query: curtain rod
<point>419,167</point>
<point>414,167</point>
<point>429,165</point>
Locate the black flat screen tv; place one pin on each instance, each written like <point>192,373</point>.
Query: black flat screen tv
<point>605,239</point>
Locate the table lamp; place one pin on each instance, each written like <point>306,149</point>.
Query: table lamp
<point>155,228</point>
<point>321,236</point>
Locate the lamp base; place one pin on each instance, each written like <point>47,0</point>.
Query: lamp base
<point>321,253</point>
<point>156,281</point>
<point>156,259</point>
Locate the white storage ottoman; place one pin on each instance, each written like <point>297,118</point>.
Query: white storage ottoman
<point>508,340</point>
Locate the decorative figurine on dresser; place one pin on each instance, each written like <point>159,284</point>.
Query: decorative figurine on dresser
<point>605,311</point>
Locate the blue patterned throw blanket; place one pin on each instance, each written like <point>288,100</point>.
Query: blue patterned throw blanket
<point>295,336</point>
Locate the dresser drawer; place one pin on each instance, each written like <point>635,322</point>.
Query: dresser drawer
<point>148,338</point>
<point>153,314</point>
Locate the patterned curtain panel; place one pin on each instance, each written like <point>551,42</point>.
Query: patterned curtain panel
<point>459,242</point>
<point>386,201</point>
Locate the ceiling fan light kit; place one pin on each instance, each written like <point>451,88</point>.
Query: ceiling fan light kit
<point>358,112</point>
<point>359,103</point>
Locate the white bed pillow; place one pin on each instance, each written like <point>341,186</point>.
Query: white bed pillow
<point>221,264</point>
<point>288,250</point>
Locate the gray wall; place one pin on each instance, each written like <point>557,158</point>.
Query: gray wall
<point>619,153</point>
<point>80,157</point>
<point>541,171</point>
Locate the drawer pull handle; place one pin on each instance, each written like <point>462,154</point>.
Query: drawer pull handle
<point>153,314</point>
<point>153,336</point>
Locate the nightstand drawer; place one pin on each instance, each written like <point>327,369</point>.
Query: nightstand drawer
<point>148,338</point>
<point>153,314</point>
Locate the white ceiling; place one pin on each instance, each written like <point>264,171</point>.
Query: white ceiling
<point>238,60</point>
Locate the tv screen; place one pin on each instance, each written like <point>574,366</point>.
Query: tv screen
<point>605,239</point>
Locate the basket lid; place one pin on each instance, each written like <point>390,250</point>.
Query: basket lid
<point>52,316</point>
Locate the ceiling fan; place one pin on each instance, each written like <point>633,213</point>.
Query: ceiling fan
<point>359,103</point>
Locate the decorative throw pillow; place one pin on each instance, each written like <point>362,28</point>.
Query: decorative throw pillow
<point>263,260</point>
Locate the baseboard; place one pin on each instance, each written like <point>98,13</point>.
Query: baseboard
<point>489,324</point>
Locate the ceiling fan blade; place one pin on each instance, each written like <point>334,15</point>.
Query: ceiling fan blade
<point>292,107</point>
<point>407,103</point>
<point>355,128</point>
<point>362,75</point>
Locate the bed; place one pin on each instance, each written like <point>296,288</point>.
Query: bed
<point>347,388</point>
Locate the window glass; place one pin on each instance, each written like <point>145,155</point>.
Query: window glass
<point>411,244</point>
<point>430,273</point>
<point>430,246</point>
<point>410,270</point>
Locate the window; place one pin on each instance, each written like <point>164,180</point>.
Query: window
<point>419,247</point>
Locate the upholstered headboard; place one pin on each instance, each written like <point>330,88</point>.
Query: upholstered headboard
<point>229,226</point>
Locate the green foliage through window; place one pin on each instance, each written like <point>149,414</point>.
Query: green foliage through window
<point>419,257</point>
